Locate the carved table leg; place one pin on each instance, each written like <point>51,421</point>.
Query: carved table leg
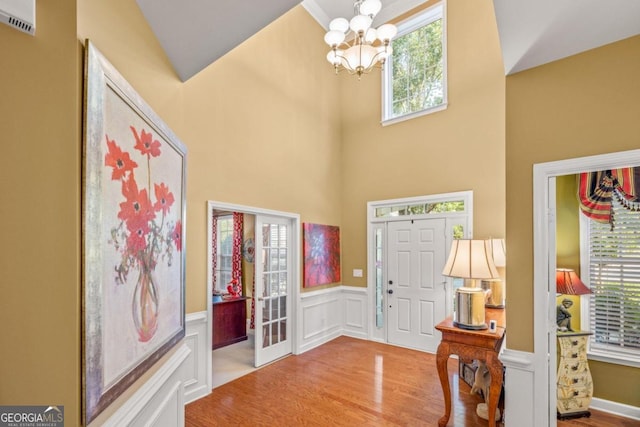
<point>442,356</point>
<point>495,369</point>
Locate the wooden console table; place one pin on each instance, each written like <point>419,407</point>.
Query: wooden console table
<point>472,344</point>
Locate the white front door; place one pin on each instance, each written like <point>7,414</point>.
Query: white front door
<point>273,268</point>
<point>416,288</point>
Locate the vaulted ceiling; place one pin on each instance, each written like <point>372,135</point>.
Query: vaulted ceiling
<point>196,33</point>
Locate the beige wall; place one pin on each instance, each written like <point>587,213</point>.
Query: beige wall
<point>258,130</point>
<point>461,148</point>
<point>261,124</point>
<point>579,106</point>
<point>40,212</point>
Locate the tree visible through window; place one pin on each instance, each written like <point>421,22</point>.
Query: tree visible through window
<point>415,73</point>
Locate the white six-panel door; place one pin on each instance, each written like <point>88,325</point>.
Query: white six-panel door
<point>416,289</point>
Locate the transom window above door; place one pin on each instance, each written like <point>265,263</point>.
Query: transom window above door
<point>420,209</point>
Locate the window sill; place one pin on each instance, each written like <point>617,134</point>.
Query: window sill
<point>617,359</point>
<point>417,114</point>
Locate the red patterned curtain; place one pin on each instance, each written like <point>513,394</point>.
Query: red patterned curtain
<point>238,234</point>
<point>252,323</point>
<point>214,249</point>
<point>597,190</point>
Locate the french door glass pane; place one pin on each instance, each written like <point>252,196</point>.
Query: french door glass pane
<point>265,285</point>
<point>265,261</point>
<point>283,329</point>
<point>283,307</point>
<point>266,335</point>
<point>283,236</point>
<point>273,253</point>
<point>266,309</point>
<point>283,259</point>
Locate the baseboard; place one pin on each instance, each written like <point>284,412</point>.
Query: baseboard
<point>616,408</point>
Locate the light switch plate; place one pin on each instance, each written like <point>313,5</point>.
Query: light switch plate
<point>357,272</point>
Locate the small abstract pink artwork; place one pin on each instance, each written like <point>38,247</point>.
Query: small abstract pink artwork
<point>321,254</point>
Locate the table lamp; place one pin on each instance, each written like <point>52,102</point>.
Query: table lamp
<point>567,283</point>
<point>496,288</point>
<point>470,259</point>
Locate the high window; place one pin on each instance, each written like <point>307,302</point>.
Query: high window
<point>612,265</point>
<point>415,77</point>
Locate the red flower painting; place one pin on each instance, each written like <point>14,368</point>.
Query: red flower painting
<point>145,233</point>
<point>321,254</point>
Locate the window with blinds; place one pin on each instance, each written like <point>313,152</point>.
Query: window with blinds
<point>613,271</point>
<point>225,251</point>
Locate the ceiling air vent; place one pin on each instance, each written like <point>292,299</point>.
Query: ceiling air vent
<point>19,14</point>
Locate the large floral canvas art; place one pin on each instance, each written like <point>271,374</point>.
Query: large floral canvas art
<point>133,236</point>
<point>321,254</point>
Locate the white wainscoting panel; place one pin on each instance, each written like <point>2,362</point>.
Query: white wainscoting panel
<point>355,312</point>
<point>519,389</point>
<point>160,401</point>
<point>196,380</point>
<point>320,318</point>
<point>329,313</point>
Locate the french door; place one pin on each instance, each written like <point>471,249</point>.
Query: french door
<point>273,270</point>
<point>416,289</point>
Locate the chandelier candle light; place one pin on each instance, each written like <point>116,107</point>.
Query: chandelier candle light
<point>366,46</point>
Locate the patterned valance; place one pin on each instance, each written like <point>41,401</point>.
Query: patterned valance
<point>597,190</point>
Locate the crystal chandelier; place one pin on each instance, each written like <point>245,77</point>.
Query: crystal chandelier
<point>355,45</point>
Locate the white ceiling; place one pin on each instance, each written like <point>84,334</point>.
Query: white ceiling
<point>195,33</point>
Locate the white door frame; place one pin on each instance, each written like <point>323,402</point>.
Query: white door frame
<point>544,265</point>
<point>295,272</point>
<point>372,222</point>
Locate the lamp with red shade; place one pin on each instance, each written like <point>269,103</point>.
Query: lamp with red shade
<point>567,283</point>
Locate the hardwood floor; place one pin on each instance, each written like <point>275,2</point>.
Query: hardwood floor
<point>600,419</point>
<point>346,382</point>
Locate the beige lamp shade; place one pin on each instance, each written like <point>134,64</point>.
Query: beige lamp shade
<point>498,249</point>
<point>471,259</point>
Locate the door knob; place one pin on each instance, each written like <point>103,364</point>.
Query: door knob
<point>390,291</point>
